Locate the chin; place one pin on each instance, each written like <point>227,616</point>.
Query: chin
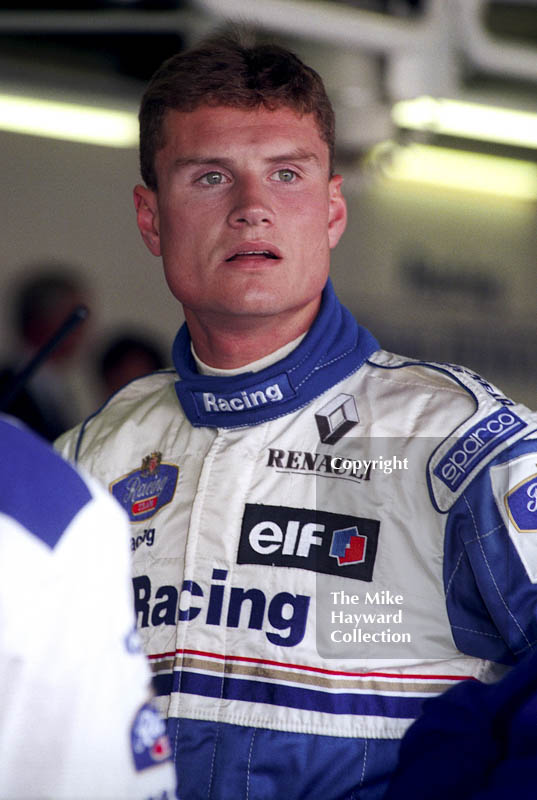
<point>257,309</point>
<point>258,300</point>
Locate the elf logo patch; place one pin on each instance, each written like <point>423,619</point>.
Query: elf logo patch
<point>349,546</point>
<point>320,541</point>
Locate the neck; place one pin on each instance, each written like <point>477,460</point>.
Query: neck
<point>227,345</point>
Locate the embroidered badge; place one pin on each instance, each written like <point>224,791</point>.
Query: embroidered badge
<point>521,504</point>
<point>514,484</point>
<point>145,491</point>
<point>149,742</point>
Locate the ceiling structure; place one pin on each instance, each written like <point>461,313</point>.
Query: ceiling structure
<point>372,54</point>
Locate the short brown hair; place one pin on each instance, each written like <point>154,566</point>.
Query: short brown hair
<point>223,71</point>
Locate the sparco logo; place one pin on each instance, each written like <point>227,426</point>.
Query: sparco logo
<point>337,417</point>
<point>320,541</point>
<point>471,448</point>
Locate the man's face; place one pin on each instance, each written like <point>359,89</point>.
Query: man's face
<point>245,213</point>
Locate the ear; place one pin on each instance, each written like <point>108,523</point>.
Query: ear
<point>337,211</point>
<point>145,202</point>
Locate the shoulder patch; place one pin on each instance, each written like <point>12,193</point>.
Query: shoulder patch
<point>514,485</point>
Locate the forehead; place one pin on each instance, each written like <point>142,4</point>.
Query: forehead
<point>225,131</point>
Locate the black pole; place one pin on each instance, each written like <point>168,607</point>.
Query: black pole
<point>74,319</point>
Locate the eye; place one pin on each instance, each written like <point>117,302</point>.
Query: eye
<point>213,178</point>
<point>284,175</point>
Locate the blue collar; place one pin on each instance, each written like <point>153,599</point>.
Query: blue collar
<point>334,347</point>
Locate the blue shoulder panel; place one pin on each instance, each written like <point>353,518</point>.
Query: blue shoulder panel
<point>490,596</point>
<point>40,490</point>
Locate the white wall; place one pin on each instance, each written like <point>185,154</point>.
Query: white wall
<point>478,304</point>
<point>74,202</point>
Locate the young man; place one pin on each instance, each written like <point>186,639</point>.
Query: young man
<point>323,534</point>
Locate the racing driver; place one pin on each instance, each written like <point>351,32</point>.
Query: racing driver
<point>297,603</point>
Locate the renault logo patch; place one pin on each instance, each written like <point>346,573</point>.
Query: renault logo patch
<point>336,418</point>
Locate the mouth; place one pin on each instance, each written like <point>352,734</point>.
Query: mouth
<point>251,253</point>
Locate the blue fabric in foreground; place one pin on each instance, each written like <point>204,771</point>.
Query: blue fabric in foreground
<point>475,742</point>
<point>51,493</point>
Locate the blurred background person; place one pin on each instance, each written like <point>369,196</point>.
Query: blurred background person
<point>127,355</point>
<point>41,302</point>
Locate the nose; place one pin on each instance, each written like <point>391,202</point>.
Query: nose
<point>251,206</point>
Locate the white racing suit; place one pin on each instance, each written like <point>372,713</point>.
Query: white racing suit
<point>76,722</point>
<point>317,548</point>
